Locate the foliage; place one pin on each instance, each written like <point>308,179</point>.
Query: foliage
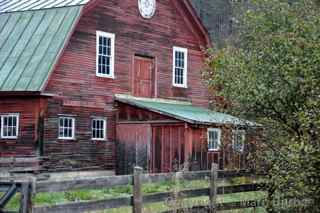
<point>270,73</point>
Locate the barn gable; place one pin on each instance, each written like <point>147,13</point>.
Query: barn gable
<point>34,33</point>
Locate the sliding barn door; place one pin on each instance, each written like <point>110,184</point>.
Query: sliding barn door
<point>168,148</point>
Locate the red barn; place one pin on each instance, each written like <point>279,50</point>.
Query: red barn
<point>102,84</point>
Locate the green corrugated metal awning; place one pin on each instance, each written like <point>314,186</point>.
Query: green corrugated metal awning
<point>30,44</point>
<point>184,111</point>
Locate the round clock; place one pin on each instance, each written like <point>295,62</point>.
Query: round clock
<point>147,8</point>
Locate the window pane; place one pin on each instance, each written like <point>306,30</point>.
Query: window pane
<point>69,133</point>
<point>100,40</point>
<point>5,121</point>
<point>9,121</point>
<point>14,131</point>
<point>5,131</point>
<point>14,121</point>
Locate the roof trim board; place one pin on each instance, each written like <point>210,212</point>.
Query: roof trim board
<point>188,5</point>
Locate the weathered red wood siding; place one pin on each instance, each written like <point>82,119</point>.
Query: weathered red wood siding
<point>31,110</point>
<point>80,93</point>
<point>168,148</point>
<point>133,142</point>
<point>226,157</point>
<point>83,152</point>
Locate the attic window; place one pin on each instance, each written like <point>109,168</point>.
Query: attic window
<point>180,65</point>
<point>9,126</point>
<point>105,54</point>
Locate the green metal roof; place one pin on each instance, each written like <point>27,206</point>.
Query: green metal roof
<point>30,43</point>
<point>184,111</point>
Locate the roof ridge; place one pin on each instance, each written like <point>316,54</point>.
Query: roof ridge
<point>35,5</point>
<point>41,9</point>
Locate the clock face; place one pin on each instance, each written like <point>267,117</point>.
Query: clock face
<point>147,8</point>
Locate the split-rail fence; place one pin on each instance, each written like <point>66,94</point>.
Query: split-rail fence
<point>137,200</point>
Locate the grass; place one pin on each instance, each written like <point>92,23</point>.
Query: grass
<point>48,199</point>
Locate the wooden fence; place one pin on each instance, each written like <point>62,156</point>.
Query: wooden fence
<point>137,199</point>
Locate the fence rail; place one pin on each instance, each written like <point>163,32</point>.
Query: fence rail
<point>137,199</point>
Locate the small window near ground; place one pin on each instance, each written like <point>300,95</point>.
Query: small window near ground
<point>239,137</point>
<point>180,62</point>
<point>66,128</point>
<point>105,54</point>
<point>214,136</point>
<point>9,126</point>
<point>98,129</point>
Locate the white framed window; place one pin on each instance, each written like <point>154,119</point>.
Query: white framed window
<point>66,128</point>
<point>180,67</point>
<point>238,139</point>
<point>98,129</point>
<point>105,54</point>
<point>10,126</point>
<point>214,137</point>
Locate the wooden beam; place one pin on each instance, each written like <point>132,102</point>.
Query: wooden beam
<point>26,198</point>
<point>88,183</point>
<point>109,181</point>
<point>213,187</point>
<point>80,207</point>
<point>151,122</point>
<point>137,190</point>
<point>7,196</point>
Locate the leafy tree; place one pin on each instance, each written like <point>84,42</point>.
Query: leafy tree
<point>270,72</point>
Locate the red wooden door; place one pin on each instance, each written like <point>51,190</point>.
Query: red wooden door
<point>167,150</point>
<point>143,77</point>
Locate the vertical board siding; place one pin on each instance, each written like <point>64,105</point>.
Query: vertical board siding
<point>226,157</point>
<point>167,148</point>
<point>133,145</point>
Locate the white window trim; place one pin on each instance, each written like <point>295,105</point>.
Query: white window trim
<point>2,123</point>
<point>219,138</point>
<point>104,129</point>
<point>112,37</point>
<point>73,128</point>
<point>185,71</point>
<point>234,139</point>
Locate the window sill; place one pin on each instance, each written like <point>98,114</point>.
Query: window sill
<point>105,76</point>
<point>8,138</point>
<point>67,139</point>
<point>180,86</point>
<point>213,150</point>
<point>99,140</point>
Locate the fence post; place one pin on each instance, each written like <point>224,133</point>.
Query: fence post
<point>213,187</point>
<point>137,191</point>
<point>26,198</point>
